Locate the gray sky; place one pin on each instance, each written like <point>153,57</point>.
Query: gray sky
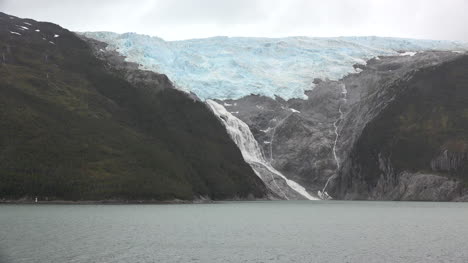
<point>184,19</point>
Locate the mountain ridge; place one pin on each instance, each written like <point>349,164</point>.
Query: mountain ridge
<point>74,127</point>
<point>319,142</point>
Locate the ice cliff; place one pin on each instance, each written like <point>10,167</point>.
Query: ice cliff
<point>234,67</point>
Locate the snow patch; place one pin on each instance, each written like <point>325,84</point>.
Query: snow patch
<point>37,30</point>
<point>295,111</point>
<point>15,33</point>
<point>408,53</point>
<point>227,104</point>
<point>27,23</point>
<point>56,35</point>
<point>51,42</point>
<point>266,130</point>
<point>23,27</point>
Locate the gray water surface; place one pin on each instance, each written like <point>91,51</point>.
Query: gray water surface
<point>279,231</point>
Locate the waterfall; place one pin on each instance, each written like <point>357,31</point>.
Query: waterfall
<point>245,141</point>
<point>344,97</point>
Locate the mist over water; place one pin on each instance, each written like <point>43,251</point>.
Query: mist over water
<point>293,231</point>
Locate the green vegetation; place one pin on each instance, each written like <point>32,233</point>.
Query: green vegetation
<point>427,119</point>
<point>72,129</point>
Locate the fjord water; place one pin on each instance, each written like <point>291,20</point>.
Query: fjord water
<point>279,231</point>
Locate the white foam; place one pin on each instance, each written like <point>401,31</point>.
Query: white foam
<point>245,141</point>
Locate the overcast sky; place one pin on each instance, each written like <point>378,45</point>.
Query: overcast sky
<point>184,19</point>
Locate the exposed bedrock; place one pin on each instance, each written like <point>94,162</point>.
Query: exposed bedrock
<point>397,130</point>
<point>414,145</point>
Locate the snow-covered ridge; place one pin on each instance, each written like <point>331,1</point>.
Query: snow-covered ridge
<point>230,68</point>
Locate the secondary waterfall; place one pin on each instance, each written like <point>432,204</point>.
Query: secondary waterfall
<point>344,93</point>
<point>243,137</point>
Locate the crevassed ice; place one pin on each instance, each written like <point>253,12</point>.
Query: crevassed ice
<point>233,67</point>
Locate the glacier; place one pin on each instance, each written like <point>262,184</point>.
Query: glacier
<point>234,67</point>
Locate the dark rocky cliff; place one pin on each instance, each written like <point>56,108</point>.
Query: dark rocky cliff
<point>77,127</point>
<point>394,131</point>
<point>415,148</point>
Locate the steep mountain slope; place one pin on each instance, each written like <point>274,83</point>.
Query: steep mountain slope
<point>252,153</point>
<point>395,131</point>
<point>413,146</point>
<point>73,126</point>
<point>304,101</point>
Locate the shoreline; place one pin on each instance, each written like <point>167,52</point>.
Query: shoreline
<point>102,202</point>
<point>121,202</point>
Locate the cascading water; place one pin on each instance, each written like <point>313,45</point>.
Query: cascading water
<point>272,138</point>
<point>344,93</point>
<point>244,139</point>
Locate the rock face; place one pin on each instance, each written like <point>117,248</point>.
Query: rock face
<point>396,130</point>
<point>296,136</point>
<point>240,133</point>
<point>413,145</point>
<point>417,187</point>
<point>80,124</point>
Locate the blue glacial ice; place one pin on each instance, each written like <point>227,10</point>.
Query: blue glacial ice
<point>233,67</point>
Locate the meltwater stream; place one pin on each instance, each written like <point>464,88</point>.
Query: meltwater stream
<point>336,125</point>
<point>244,139</point>
<point>272,231</point>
